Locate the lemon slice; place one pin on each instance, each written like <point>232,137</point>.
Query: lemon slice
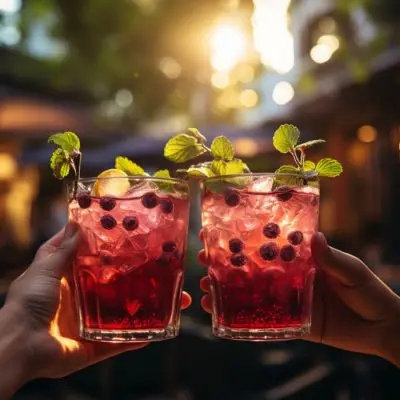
<point>111,187</point>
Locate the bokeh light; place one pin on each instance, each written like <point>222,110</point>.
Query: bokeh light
<point>283,93</point>
<point>248,98</point>
<point>321,53</point>
<point>220,79</point>
<point>170,67</point>
<point>228,46</point>
<point>272,38</point>
<point>332,41</point>
<point>124,98</point>
<point>367,134</point>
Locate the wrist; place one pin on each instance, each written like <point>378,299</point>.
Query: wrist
<point>13,358</point>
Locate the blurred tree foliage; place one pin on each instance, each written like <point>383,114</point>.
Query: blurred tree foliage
<point>104,46</point>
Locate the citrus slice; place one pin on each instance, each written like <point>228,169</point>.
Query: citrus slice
<point>111,187</point>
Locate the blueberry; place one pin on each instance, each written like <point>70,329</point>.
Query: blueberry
<point>232,197</point>
<point>130,223</point>
<point>284,193</point>
<point>166,206</point>
<point>150,200</point>
<point>107,203</point>
<point>295,238</point>
<point>288,253</point>
<point>84,200</point>
<point>269,251</point>
<point>271,230</point>
<point>238,260</point>
<point>108,222</point>
<point>236,245</point>
<point>169,247</point>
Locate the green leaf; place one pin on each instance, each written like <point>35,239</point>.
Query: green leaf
<point>235,167</point>
<point>329,167</point>
<point>165,186</point>
<point>287,169</point>
<point>222,147</point>
<point>182,148</point>
<point>286,138</point>
<point>199,171</point>
<point>128,166</point>
<point>60,164</point>
<point>162,173</point>
<point>68,141</point>
<point>195,132</point>
<point>309,166</point>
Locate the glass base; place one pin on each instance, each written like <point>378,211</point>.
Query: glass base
<point>262,335</point>
<point>129,336</point>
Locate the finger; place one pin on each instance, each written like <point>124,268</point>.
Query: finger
<point>50,246</point>
<point>206,304</point>
<point>201,234</point>
<point>186,300</point>
<point>353,281</point>
<point>205,284</point>
<point>102,351</point>
<point>58,262</point>
<point>201,257</point>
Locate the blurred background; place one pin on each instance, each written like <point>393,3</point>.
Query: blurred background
<point>126,75</point>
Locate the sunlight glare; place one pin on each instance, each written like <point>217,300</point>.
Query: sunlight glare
<point>228,46</point>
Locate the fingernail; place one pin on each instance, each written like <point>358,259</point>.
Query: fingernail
<point>70,230</point>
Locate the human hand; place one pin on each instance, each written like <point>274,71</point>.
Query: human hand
<point>41,301</point>
<point>352,309</point>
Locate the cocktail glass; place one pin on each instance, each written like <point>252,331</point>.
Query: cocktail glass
<point>128,270</point>
<point>257,231</point>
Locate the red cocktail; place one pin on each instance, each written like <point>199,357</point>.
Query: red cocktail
<point>129,267</point>
<point>257,231</point>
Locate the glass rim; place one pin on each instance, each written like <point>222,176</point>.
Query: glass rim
<point>260,174</point>
<point>142,178</point>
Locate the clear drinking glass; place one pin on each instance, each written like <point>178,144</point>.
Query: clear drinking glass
<point>257,231</point>
<point>128,270</point>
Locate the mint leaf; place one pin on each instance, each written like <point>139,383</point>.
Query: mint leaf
<point>222,147</point>
<point>235,167</point>
<point>60,163</point>
<point>309,166</point>
<point>165,186</point>
<point>182,148</point>
<point>128,166</point>
<point>68,141</point>
<point>286,138</point>
<point>287,169</point>
<point>306,145</point>
<point>200,171</point>
<point>162,173</point>
<point>195,132</point>
<point>329,167</point>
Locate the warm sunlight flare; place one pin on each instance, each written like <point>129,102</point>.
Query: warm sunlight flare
<point>272,38</point>
<point>228,46</point>
<point>68,345</point>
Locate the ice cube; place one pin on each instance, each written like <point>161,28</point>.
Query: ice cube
<point>140,187</point>
<point>132,306</point>
<point>261,185</point>
<point>129,263</point>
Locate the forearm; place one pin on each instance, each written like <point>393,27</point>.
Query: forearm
<point>12,368</point>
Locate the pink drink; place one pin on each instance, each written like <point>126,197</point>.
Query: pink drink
<point>129,268</point>
<point>260,266</point>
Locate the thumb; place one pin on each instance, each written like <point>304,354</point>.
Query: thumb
<point>57,263</point>
<point>355,284</point>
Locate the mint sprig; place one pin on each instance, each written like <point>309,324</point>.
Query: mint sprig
<point>286,140</point>
<point>188,146</point>
<point>128,166</point>
<point>66,157</point>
